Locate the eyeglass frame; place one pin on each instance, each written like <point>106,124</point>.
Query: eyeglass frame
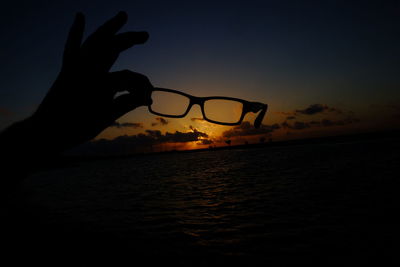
<point>193,100</point>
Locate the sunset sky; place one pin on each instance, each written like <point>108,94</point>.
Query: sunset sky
<point>323,67</point>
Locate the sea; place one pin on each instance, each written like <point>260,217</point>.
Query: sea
<point>326,204</point>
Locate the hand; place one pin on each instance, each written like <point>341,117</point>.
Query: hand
<point>81,102</point>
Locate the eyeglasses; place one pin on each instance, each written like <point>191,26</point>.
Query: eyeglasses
<point>216,109</point>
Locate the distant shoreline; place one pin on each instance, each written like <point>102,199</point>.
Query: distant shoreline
<point>394,134</point>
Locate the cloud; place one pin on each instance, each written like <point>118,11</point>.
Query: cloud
<point>160,121</point>
<point>289,113</point>
<point>197,119</point>
<point>310,110</point>
<point>246,129</point>
<point>127,125</point>
<point>206,142</point>
<point>156,137</point>
<point>301,125</point>
<point>177,137</point>
<point>139,142</point>
<point>154,133</point>
<point>316,108</point>
<point>297,125</point>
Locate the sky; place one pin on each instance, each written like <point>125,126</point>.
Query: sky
<point>323,67</point>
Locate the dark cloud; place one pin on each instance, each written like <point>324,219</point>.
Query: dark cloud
<point>177,137</point>
<point>206,142</point>
<point>246,129</point>
<point>290,113</point>
<point>127,125</point>
<point>317,108</point>
<point>297,125</point>
<point>139,142</point>
<point>300,125</point>
<point>160,121</point>
<point>156,134</point>
<point>310,110</point>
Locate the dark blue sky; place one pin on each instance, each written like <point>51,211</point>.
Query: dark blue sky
<point>289,54</point>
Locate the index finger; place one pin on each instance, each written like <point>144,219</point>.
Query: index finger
<point>113,25</point>
<point>74,39</point>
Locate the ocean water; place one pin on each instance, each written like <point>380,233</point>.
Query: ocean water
<point>326,204</point>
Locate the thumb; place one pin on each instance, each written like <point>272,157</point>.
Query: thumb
<point>127,102</point>
<point>138,86</point>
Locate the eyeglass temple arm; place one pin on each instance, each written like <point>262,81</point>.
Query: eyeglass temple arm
<point>260,117</point>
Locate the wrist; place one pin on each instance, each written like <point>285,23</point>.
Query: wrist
<point>27,138</point>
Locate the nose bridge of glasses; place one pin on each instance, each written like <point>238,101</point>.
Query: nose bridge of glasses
<point>194,100</point>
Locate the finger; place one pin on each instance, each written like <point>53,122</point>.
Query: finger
<point>126,80</point>
<point>112,26</point>
<point>139,87</point>
<point>74,39</point>
<point>125,103</point>
<point>126,40</point>
<point>106,52</point>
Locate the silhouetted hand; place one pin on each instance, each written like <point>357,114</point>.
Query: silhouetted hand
<point>81,103</point>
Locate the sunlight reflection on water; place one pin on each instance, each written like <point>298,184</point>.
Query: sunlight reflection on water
<point>231,203</point>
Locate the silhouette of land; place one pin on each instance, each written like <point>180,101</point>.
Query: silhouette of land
<point>360,137</point>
